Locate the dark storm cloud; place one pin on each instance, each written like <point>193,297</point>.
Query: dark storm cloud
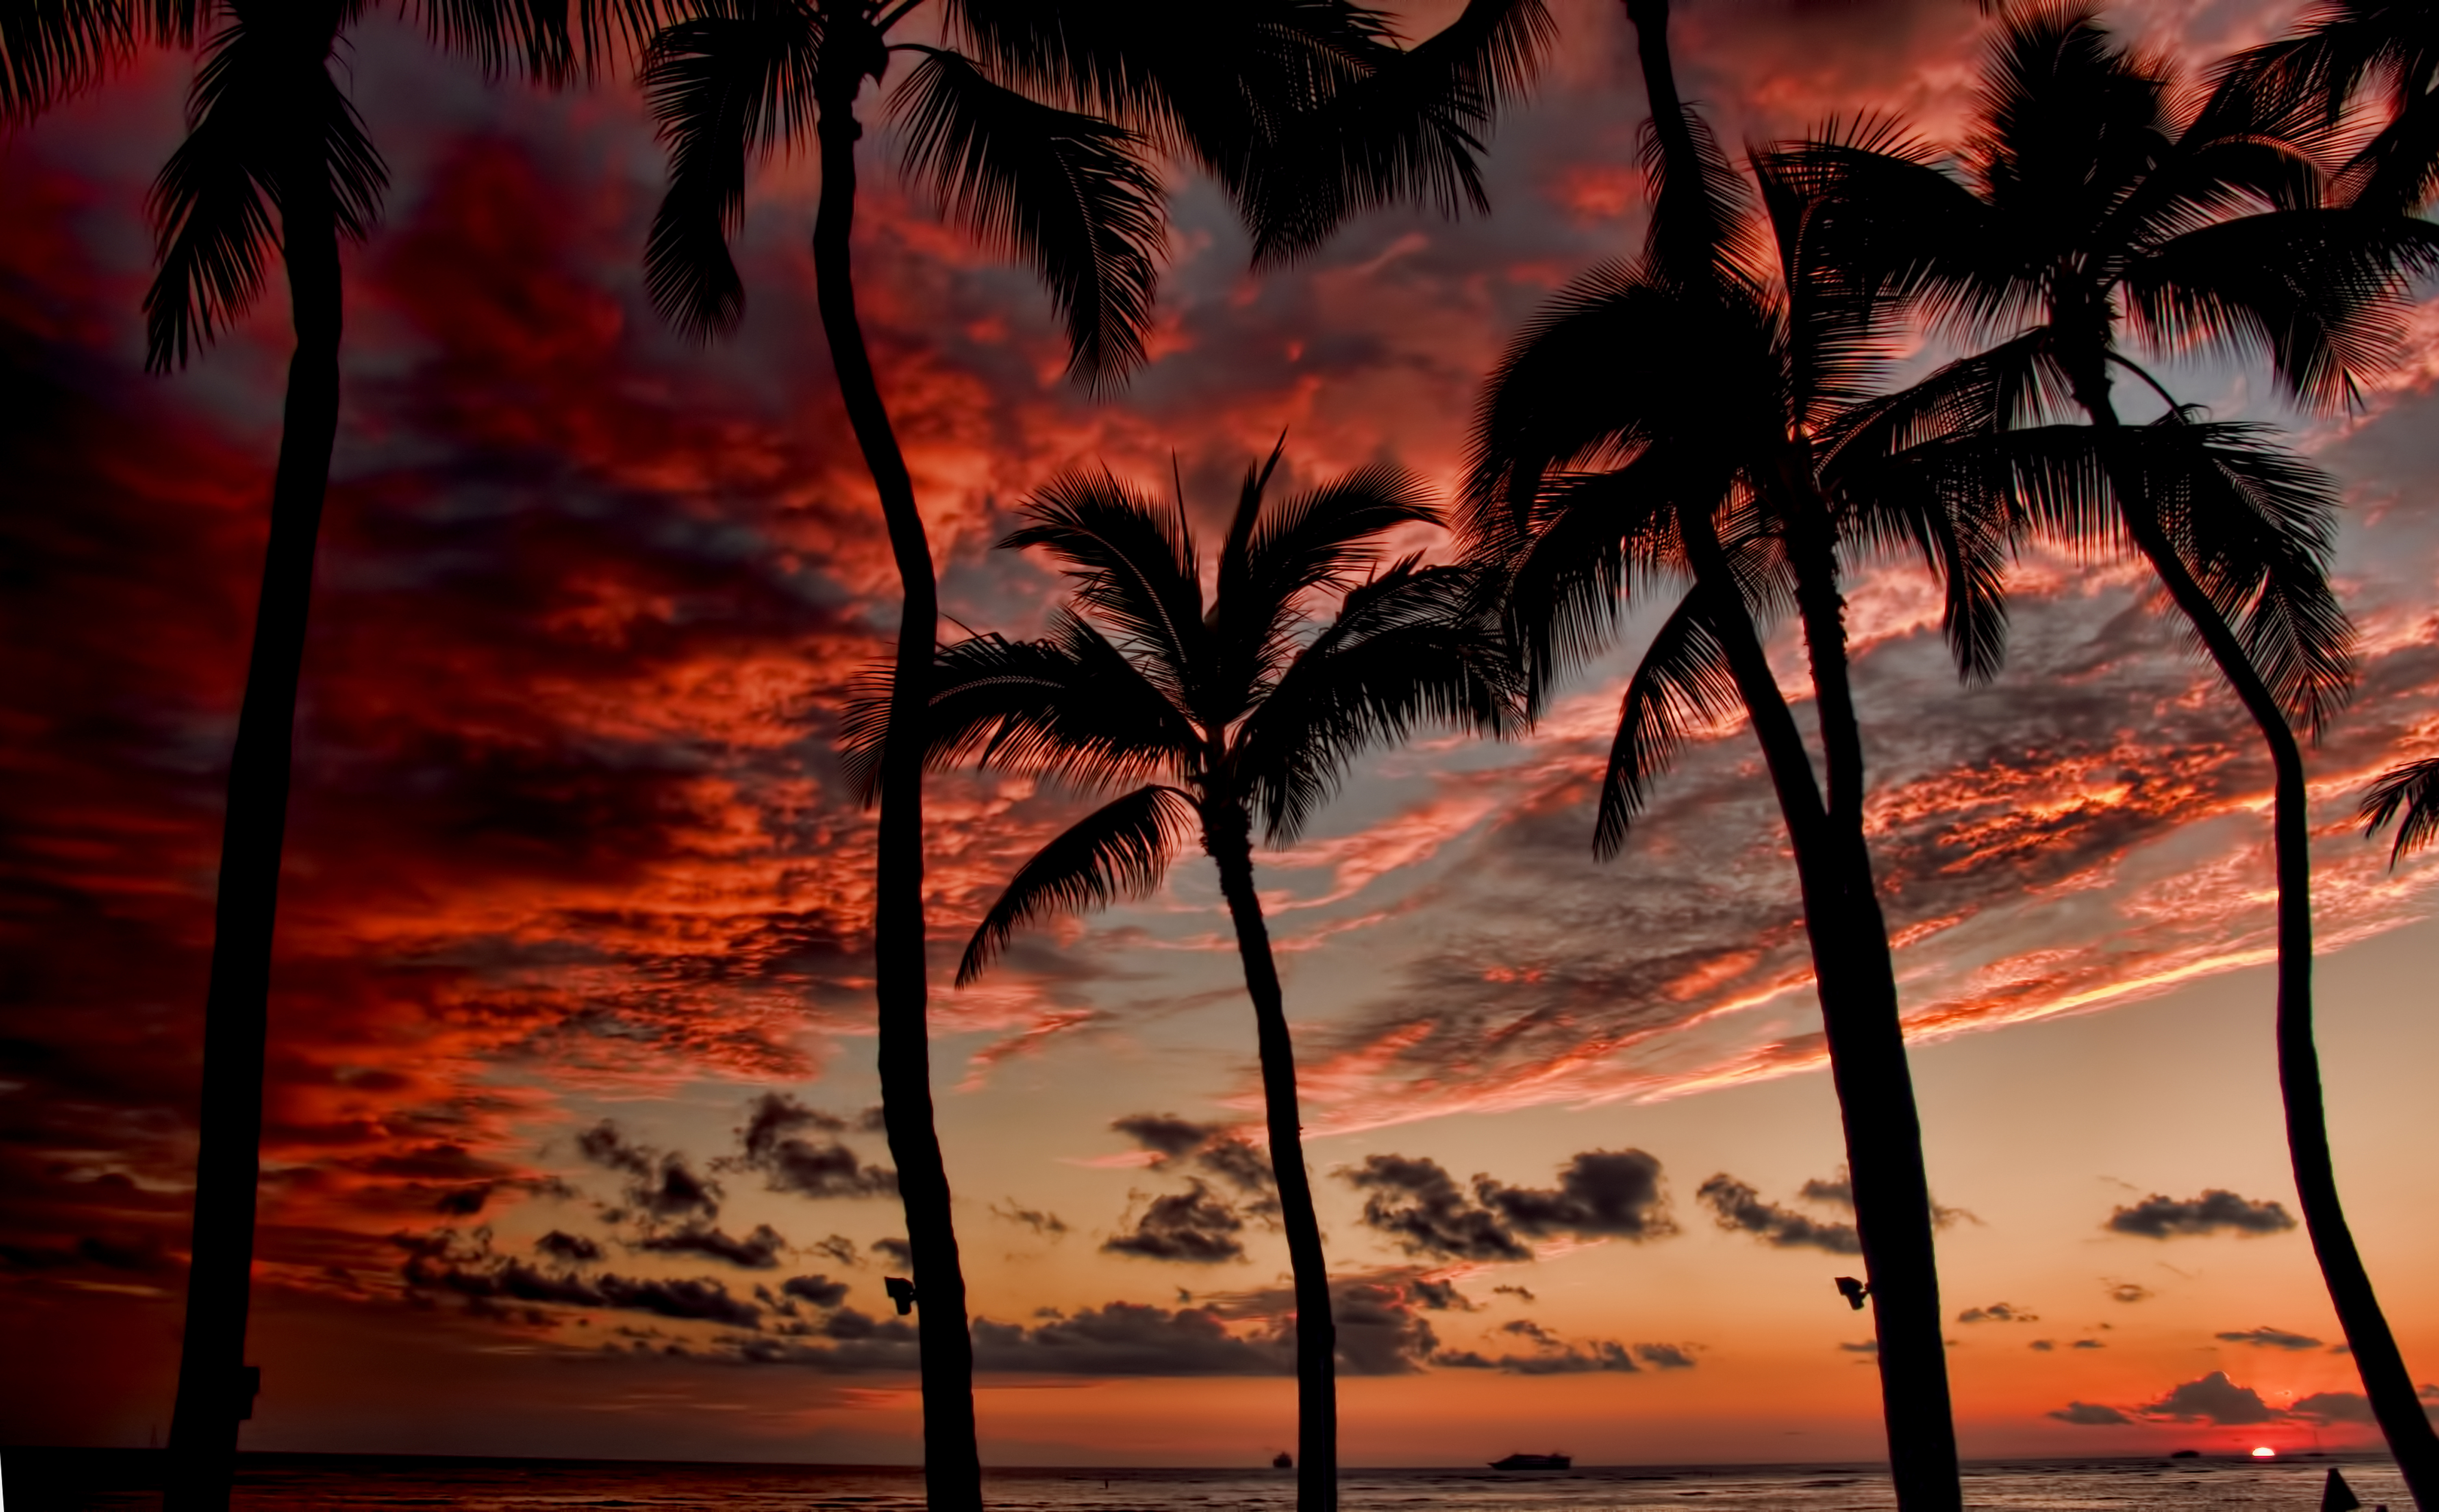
<point>1998,1313</point>
<point>2215,1211</point>
<point>817,1290</point>
<point>1209,1148</point>
<point>2092,1414</point>
<point>1738,1208</point>
<point>1601,1194</point>
<point>806,1168</point>
<point>2212,1399</point>
<point>1419,1205</point>
<point>1193,1226</point>
<point>441,1262</point>
<point>1049,1225</point>
<point>573,1249</point>
<point>2265,1337</point>
<point>758,1251</point>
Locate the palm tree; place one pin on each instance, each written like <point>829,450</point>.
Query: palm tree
<point>1743,462</point>
<point>2089,202</point>
<point>1038,134</point>
<point>270,132</point>
<point>1228,716</point>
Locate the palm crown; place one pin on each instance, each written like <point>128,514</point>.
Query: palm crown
<point>1041,126</point>
<point>1238,712</point>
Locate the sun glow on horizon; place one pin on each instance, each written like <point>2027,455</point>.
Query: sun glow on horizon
<point>2263,1451</point>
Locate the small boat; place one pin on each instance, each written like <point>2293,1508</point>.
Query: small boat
<point>1552,1461</point>
<point>1283,1461</point>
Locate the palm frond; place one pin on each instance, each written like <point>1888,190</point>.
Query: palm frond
<point>736,78</point>
<point>1133,565</point>
<point>1119,850</point>
<point>1070,195</point>
<point>1682,683</point>
<point>1951,500</point>
<point>268,129</point>
<point>1318,541</point>
<point>1068,707</point>
<point>49,49</point>
<point>1894,225</point>
<point>2398,170</point>
<point>2257,525</point>
<point>2318,292</point>
<point>2411,791</point>
<point>1409,647</point>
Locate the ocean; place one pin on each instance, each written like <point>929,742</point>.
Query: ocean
<point>56,1480</point>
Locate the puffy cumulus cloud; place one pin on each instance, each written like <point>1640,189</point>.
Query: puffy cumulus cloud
<point>2265,1337</point>
<point>773,1143</point>
<point>2091,1414</point>
<point>2215,1211</point>
<point>1601,1194</point>
<point>1998,1313</point>
<point>1738,1207</point>
<point>1193,1226</point>
<point>2212,1399</point>
<point>2128,1292</point>
<point>443,1263</point>
<point>573,1249</point>
<point>1216,1150</point>
<point>814,1290</point>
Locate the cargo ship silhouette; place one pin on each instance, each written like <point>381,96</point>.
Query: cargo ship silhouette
<point>1552,1461</point>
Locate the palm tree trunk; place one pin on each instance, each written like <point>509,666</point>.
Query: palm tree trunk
<point>951,1464</point>
<point>1857,983</point>
<point>2381,1364</point>
<point>1227,834</point>
<point>214,1392</point>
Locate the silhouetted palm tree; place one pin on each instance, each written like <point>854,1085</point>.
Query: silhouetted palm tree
<point>1238,713</point>
<point>1706,412</point>
<point>2342,48</point>
<point>270,132</point>
<point>2089,202</point>
<point>1039,131</point>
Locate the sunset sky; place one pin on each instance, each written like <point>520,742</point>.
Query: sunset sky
<point>569,1148</point>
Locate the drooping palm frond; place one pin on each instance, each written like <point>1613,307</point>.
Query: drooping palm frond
<point>2318,292</point>
<point>2411,790</point>
<point>1681,685</point>
<point>1950,500</point>
<point>1068,707</point>
<point>1411,647</point>
<point>1119,850</point>
<point>1406,127</point>
<point>2257,525</point>
<point>733,79</point>
<point>1134,567</point>
<point>268,129</point>
<point>51,48</point>
<point>1072,195</point>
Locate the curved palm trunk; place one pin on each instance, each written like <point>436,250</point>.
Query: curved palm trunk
<point>1227,834</point>
<point>1848,936</point>
<point>214,1393</point>
<point>1857,983</point>
<point>2377,1357</point>
<point>952,1466</point>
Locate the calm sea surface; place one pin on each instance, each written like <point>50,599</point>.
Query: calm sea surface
<point>2055,1486</point>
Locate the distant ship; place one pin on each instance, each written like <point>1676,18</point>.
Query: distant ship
<point>1552,1461</point>
<point>1283,1461</point>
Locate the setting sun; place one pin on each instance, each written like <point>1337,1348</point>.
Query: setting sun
<point>2264,1451</point>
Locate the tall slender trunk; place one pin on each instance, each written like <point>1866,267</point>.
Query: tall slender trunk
<point>1856,976</point>
<point>214,1391</point>
<point>1227,834</point>
<point>1857,983</point>
<point>951,1464</point>
<point>2377,1358</point>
